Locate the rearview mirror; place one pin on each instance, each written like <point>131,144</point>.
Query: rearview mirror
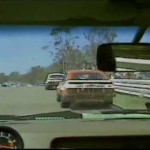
<point>105,58</point>
<point>110,57</point>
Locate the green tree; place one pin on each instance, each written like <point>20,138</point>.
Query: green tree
<point>3,78</point>
<point>36,75</point>
<point>67,53</point>
<point>14,76</point>
<point>96,36</point>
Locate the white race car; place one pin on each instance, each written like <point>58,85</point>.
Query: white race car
<point>53,80</point>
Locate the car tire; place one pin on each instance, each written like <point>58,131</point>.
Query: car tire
<point>64,104</point>
<point>46,88</point>
<point>58,98</point>
<point>73,105</point>
<point>109,102</point>
<point>50,88</point>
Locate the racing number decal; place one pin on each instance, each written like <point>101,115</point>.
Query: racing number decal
<point>93,86</point>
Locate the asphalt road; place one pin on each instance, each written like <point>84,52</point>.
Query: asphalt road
<point>33,100</point>
<point>27,100</point>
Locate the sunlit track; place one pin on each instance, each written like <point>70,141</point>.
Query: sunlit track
<point>32,100</point>
<point>27,100</point>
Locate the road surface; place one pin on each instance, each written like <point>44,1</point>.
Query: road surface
<point>32,100</point>
<point>27,100</point>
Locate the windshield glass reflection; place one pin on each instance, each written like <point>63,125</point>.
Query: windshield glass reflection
<point>29,53</point>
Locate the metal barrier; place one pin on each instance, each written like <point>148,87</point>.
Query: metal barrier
<point>132,87</point>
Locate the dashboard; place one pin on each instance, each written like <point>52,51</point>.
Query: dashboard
<point>75,133</point>
<point>10,138</point>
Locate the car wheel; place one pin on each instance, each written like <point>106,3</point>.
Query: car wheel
<point>50,88</point>
<point>73,105</point>
<point>46,88</point>
<point>109,102</point>
<point>64,104</point>
<point>58,98</point>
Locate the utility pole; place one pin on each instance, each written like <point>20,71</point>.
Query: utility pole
<point>63,66</point>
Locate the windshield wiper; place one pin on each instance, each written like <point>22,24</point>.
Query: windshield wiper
<point>8,117</point>
<point>96,117</point>
<point>44,116</point>
<point>117,114</point>
<point>70,115</point>
<point>126,111</point>
<point>52,115</point>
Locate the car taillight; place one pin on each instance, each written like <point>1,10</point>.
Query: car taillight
<point>69,91</point>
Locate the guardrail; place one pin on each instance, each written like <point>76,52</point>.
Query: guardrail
<point>133,87</point>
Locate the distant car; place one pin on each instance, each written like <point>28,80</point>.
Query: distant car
<point>4,85</point>
<point>85,86</point>
<point>53,80</point>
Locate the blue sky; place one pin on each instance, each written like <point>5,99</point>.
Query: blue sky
<point>21,46</point>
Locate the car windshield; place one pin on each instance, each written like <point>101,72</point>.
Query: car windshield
<point>86,75</point>
<point>56,76</point>
<point>89,77</point>
<point>29,53</point>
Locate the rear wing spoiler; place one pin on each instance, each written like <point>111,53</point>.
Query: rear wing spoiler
<point>89,84</point>
<point>89,81</point>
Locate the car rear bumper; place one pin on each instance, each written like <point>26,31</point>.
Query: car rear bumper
<point>52,85</point>
<point>87,99</point>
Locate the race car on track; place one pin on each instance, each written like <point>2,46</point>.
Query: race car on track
<point>53,80</point>
<point>85,87</point>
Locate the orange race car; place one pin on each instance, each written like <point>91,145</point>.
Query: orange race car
<point>85,87</point>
